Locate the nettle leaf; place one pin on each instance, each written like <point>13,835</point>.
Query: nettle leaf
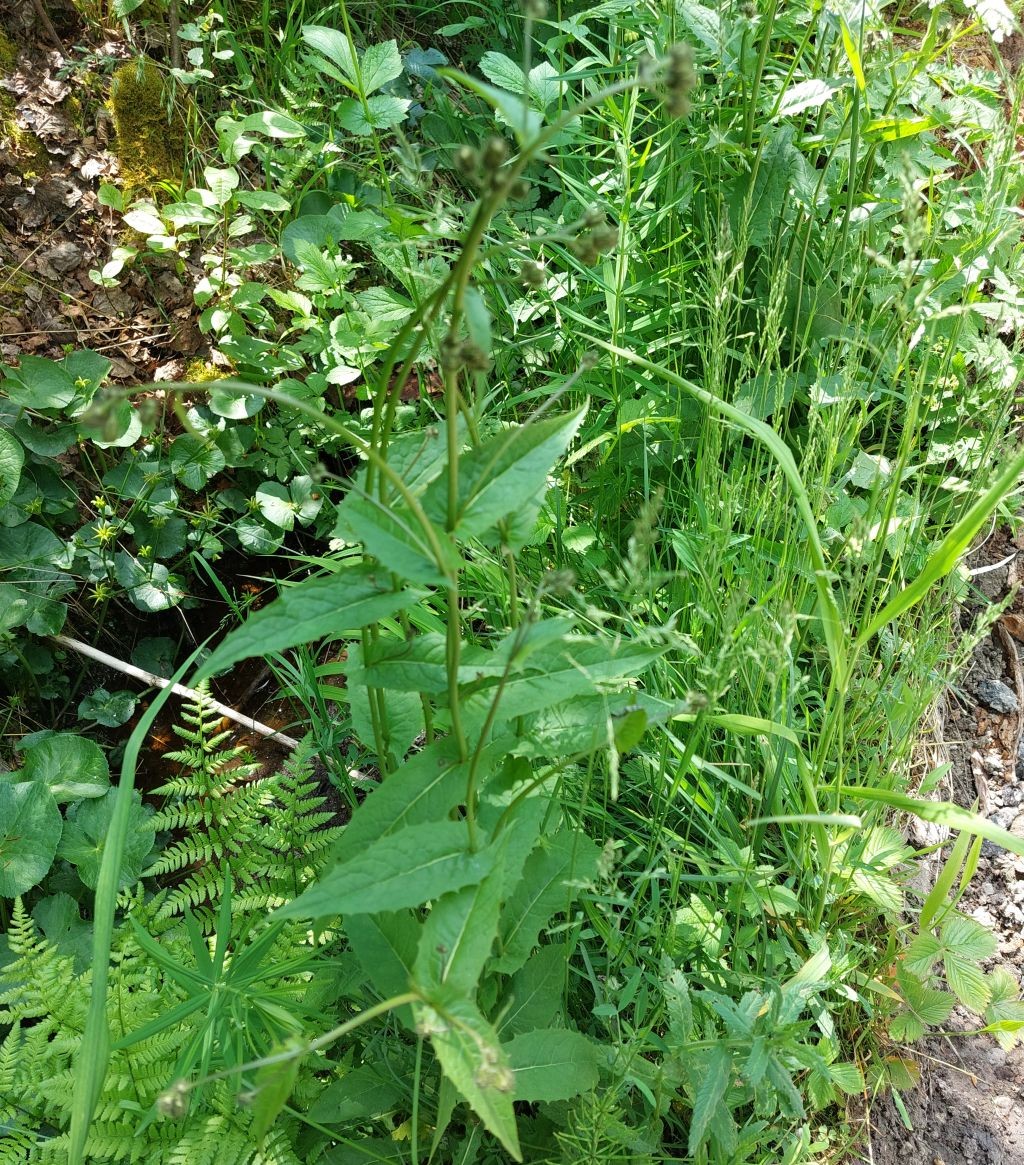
<point>380,112</point>
<point>503,474</point>
<point>406,868</point>
<point>30,829</point>
<point>336,47</point>
<point>336,604</point>
<point>472,1058</point>
<point>70,766</point>
<point>38,383</point>
<point>12,458</point>
<point>86,831</point>
<point>550,883</point>
<point>924,1007</point>
<point>458,935</point>
<point>503,71</point>
<point>194,460</point>
<point>380,64</point>
<point>553,1064</point>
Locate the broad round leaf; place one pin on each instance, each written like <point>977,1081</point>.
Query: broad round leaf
<point>12,458</point>
<point>195,461</point>
<point>70,766</point>
<point>85,835</point>
<point>30,828</point>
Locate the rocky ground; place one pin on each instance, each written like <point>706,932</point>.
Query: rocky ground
<point>969,1106</point>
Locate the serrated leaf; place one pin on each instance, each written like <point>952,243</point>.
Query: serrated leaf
<point>921,955</point>
<point>709,1071</point>
<point>968,939</point>
<point>458,935</point>
<point>30,828</point>
<point>472,1058</point>
<point>1005,1011</point>
<point>379,112</point>
<point>380,64</point>
<point>967,982</point>
<point>805,95</point>
<point>362,1093</point>
<point>546,887</point>
<point>552,1064</point>
<point>536,991</point>
<point>390,535</point>
<point>337,604</point>
<point>385,945</point>
<point>406,868</point>
<point>502,474</point>
<point>195,460</point>
<point>504,72</point>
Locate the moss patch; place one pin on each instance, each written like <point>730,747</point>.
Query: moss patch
<point>150,142</point>
<point>8,53</point>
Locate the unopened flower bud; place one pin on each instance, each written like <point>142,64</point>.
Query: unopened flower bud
<point>531,273</point>
<point>494,154</point>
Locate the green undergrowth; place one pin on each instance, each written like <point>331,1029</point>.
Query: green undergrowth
<point>621,396</point>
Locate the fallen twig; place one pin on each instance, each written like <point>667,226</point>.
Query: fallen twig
<point>155,681</point>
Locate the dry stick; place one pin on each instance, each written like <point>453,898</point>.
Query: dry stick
<point>159,682</point>
<point>44,19</point>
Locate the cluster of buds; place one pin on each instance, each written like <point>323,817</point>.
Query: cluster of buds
<point>484,169</point>
<point>598,238</point>
<point>456,354</point>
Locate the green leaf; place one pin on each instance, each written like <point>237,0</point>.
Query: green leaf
<point>458,935</point>
<point>710,1069</point>
<point>70,766</point>
<point>85,836</point>
<point>111,709</point>
<point>426,787</point>
<point>406,868</point>
<point>967,981</point>
<point>510,108</point>
<point>12,458</point>
<point>336,47</point>
<point>1005,1008</point>
<point>536,990</point>
<point>275,505</point>
<point>361,1094</point>
<point>31,546</point>
<point>337,605</point>
<point>544,889</point>
<point>553,1064</point>
<point>222,183</point>
<point>39,384</point>
<point>503,474</point>
<point>30,828</point>
<point>385,945</point>
<point>504,72</point>
<point>263,200</point>
<point>473,1060</point>
<point>403,719</point>
<point>158,591</point>
<point>390,535</point>
<point>273,1085</point>
<point>381,63</point>
<point>195,460</point>
<point>968,939</point>
<point>380,112</point>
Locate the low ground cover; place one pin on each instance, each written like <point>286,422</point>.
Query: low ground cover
<point>604,397</point>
